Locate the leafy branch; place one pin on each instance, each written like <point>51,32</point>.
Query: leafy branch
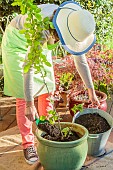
<point>77,108</point>
<point>66,80</point>
<point>35,26</point>
<point>34,29</point>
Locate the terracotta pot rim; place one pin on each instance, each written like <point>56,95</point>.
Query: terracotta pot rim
<point>102,94</point>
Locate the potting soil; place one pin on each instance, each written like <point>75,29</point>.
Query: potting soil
<point>52,132</point>
<point>94,123</point>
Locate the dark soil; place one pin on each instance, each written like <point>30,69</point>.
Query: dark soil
<point>94,123</point>
<point>52,132</point>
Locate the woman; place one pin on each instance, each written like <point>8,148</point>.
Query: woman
<point>29,87</point>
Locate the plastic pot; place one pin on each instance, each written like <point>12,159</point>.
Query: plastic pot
<point>97,142</point>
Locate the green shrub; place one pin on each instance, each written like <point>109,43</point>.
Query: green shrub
<point>103,13</point>
<point>101,9</point>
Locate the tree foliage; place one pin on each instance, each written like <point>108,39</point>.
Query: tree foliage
<point>101,9</point>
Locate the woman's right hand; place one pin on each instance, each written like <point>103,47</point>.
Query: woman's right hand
<point>93,97</point>
<point>31,112</point>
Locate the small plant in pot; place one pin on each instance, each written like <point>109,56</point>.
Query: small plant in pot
<point>62,145</point>
<point>65,85</point>
<point>99,125</point>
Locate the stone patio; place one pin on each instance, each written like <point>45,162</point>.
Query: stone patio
<point>11,155</point>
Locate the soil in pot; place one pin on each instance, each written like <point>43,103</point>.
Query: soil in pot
<point>94,123</point>
<point>52,132</point>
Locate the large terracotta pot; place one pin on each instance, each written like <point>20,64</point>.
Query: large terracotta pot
<point>102,99</point>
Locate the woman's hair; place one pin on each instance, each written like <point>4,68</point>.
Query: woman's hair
<point>53,32</point>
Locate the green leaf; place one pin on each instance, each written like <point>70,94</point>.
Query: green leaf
<point>52,46</point>
<point>52,112</point>
<point>77,108</point>
<point>22,31</point>
<point>30,56</point>
<point>51,121</point>
<point>26,68</point>
<point>39,17</point>
<point>46,19</point>
<point>38,10</point>
<point>51,25</point>
<point>16,4</point>
<point>65,131</point>
<point>48,64</point>
<point>42,118</point>
<point>27,25</point>
<point>56,117</point>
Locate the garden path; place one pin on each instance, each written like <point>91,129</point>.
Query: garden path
<point>11,155</point>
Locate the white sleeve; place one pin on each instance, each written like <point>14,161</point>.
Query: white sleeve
<point>28,82</point>
<point>84,71</point>
<point>18,21</point>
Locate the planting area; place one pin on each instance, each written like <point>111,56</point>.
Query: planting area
<point>53,133</point>
<point>67,79</point>
<point>94,123</point>
<point>11,155</point>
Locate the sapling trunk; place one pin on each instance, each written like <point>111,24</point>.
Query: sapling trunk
<point>59,125</point>
<point>35,40</point>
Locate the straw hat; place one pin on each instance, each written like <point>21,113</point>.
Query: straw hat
<point>75,27</point>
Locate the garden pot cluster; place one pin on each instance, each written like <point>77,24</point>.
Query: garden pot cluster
<point>67,155</point>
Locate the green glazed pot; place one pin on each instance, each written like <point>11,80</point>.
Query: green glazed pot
<point>63,155</point>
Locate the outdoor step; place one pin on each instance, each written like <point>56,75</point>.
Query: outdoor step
<point>7,106</point>
<point>7,102</point>
<point>7,99</point>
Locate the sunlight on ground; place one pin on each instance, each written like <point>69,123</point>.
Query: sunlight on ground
<point>10,140</point>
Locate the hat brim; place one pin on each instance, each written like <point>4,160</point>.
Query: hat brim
<point>68,42</point>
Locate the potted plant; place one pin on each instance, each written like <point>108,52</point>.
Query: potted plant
<point>62,145</point>
<point>65,86</point>
<point>64,155</point>
<point>81,97</point>
<point>99,125</point>
<point>100,64</point>
<point>76,146</point>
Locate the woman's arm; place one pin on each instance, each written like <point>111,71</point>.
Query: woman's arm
<point>84,71</point>
<point>31,111</point>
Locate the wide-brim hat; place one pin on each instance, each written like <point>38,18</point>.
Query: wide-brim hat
<point>75,27</point>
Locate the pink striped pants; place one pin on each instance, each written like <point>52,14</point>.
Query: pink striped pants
<point>24,124</point>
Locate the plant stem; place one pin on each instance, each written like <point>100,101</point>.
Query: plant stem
<point>53,104</point>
